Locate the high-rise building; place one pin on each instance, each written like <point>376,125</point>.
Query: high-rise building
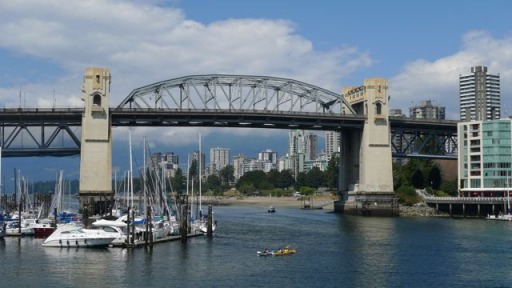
<point>268,156</point>
<point>427,111</point>
<point>479,95</point>
<point>200,161</point>
<point>332,143</point>
<point>484,157</point>
<point>302,142</point>
<point>302,147</point>
<point>219,158</point>
<point>238,165</point>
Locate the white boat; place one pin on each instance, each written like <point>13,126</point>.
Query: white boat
<point>72,235</point>
<point>160,228</point>
<point>118,229</point>
<point>27,227</point>
<point>502,217</point>
<point>3,225</point>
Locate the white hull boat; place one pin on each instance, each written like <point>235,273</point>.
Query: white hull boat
<point>71,235</point>
<point>118,229</point>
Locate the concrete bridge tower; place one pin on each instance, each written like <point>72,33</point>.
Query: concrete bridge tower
<point>96,142</point>
<point>366,174</point>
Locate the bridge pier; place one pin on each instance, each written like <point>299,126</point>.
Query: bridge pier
<point>366,157</point>
<point>96,142</point>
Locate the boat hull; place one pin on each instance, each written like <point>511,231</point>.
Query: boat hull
<point>79,242</point>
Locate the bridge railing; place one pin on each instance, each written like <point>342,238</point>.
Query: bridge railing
<point>241,111</point>
<point>465,199</point>
<point>36,109</point>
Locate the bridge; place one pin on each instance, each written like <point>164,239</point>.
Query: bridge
<point>234,101</point>
<point>28,132</point>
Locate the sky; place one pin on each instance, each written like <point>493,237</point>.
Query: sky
<point>421,47</point>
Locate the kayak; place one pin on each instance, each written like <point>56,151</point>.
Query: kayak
<point>285,251</point>
<point>265,253</point>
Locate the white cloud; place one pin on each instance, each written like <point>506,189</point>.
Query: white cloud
<point>438,80</point>
<point>143,44</point>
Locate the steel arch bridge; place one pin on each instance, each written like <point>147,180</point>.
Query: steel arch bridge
<point>219,101</point>
<point>236,92</point>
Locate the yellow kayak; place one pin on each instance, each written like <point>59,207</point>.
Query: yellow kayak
<point>285,251</point>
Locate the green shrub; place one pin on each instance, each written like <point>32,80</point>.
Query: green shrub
<point>407,195</point>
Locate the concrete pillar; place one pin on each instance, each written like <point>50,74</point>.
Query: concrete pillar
<point>96,139</point>
<point>369,153</point>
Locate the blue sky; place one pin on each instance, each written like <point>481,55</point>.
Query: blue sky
<point>420,46</point>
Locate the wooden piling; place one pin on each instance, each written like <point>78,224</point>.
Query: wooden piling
<point>209,229</point>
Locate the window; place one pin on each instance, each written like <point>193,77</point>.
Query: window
<point>96,100</point>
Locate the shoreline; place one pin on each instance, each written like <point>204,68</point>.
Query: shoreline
<point>326,202</point>
<point>276,202</point>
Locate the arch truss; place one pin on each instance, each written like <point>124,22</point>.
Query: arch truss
<point>236,92</point>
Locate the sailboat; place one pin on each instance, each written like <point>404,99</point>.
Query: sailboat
<point>3,224</point>
<point>201,223</point>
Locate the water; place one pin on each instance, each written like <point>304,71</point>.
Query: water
<point>332,251</point>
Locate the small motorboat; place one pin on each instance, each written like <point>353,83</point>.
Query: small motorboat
<point>271,209</point>
<point>265,252</point>
<point>284,251</point>
<point>72,235</point>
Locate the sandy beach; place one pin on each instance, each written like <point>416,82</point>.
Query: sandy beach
<point>289,202</point>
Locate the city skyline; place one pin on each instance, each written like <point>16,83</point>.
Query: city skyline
<point>45,47</point>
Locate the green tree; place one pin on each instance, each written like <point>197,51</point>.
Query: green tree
<point>434,178</point>
<point>286,179</point>
<point>246,188</point>
<point>315,178</point>
<point>227,175</point>
<point>331,174</point>
<point>178,182</point>
<point>417,179</point>
<point>450,187</point>
<point>193,171</point>
<point>213,182</point>
<point>407,195</point>
<point>301,181</point>
<point>273,177</point>
<point>257,178</point>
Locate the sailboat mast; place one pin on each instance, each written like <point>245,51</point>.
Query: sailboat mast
<point>144,182</point>
<point>130,183</point>
<point>1,176</point>
<point>200,171</point>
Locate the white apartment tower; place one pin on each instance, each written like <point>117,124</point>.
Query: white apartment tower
<point>219,158</point>
<point>479,95</point>
<point>301,142</point>
<point>332,143</point>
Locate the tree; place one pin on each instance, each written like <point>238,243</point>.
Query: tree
<point>434,178</point>
<point>226,174</point>
<point>450,187</point>
<point>417,179</point>
<point>301,181</point>
<point>257,178</point>
<point>286,179</point>
<point>178,181</point>
<point>213,182</point>
<point>407,195</point>
<point>192,171</point>
<point>273,178</point>
<point>315,178</point>
<point>331,174</point>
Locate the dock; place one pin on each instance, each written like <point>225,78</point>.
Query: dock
<point>155,241</point>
